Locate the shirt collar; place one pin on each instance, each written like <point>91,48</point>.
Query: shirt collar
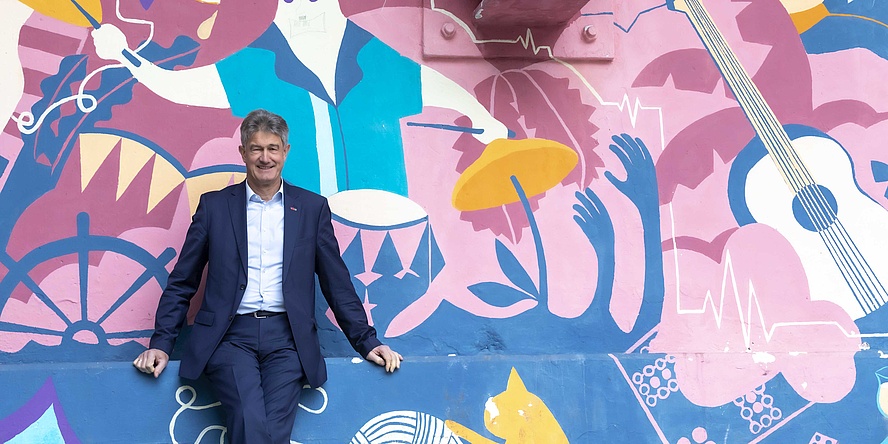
<point>251,193</point>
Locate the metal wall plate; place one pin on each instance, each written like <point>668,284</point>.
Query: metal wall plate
<point>449,31</point>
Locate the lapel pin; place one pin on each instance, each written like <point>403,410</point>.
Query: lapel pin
<point>293,209</point>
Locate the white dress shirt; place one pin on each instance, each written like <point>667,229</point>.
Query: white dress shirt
<point>265,253</point>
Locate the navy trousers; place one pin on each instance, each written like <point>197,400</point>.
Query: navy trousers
<point>258,378</point>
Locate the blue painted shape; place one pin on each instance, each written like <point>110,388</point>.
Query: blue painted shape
<point>543,293</point>
<point>514,270</point>
<point>852,24</point>
<point>441,126</point>
<point>815,208</point>
<point>497,294</point>
<point>880,171</point>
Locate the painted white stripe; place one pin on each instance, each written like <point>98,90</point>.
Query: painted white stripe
<point>326,154</point>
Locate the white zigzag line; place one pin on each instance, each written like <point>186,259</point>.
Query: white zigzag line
<point>527,42</point>
<point>752,299</point>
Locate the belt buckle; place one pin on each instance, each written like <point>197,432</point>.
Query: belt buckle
<point>256,315</point>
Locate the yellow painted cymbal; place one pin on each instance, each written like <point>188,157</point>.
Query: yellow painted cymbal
<point>538,164</point>
<point>65,10</point>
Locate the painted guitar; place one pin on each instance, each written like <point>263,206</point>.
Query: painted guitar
<point>801,182</point>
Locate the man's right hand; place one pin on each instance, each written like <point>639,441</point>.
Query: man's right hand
<point>152,361</point>
<point>109,42</point>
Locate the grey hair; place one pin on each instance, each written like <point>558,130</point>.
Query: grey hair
<point>262,120</point>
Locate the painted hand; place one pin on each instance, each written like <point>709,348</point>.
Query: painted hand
<point>152,361</point>
<point>110,42</point>
<point>596,223</point>
<point>383,356</point>
<point>640,185</point>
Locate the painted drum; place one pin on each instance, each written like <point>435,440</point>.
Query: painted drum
<point>387,242</point>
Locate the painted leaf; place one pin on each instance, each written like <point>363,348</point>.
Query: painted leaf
<point>497,294</point>
<point>513,269</point>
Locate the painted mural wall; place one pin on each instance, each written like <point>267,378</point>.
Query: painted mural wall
<point>680,238</point>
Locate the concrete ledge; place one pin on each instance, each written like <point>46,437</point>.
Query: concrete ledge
<point>594,398</point>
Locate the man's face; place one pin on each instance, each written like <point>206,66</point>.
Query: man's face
<point>264,156</point>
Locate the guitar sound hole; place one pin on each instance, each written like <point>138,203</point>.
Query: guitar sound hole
<point>815,208</point>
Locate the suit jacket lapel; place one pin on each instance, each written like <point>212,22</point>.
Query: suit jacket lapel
<point>237,206</point>
<point>292,216</point>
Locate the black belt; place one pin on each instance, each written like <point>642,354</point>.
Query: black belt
<point>262,314</point>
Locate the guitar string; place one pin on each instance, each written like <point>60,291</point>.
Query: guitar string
<point>808,195</point>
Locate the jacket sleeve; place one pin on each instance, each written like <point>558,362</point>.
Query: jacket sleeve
<point>335,281</point>
<point>182,283</point>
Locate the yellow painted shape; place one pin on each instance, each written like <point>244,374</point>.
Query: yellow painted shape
<point>538,164</point>
<point>164,178</point>
<point>466,433</point>
<point>209,182</point>
<point>522,417</point>
<point>65,10</point>
<point>133,157</point>
<point>94,149</point>
<point>805,20</point>
<point>206,27</point>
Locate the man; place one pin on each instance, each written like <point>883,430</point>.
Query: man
<point>255,336</point>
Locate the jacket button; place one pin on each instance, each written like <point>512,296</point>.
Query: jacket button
<point>243,287</point>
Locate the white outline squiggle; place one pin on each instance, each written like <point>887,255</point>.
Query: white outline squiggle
<point>86,103</point>
<point>190,406</point>
<point>323,407</point>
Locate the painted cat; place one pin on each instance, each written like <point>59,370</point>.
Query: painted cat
<point>516,415</point>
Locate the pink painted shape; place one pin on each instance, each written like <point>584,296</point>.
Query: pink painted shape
<point>371,241</point>
<point>40,61</point>
<point>345,234</point>
<point>807,340</point>
<point>368,277</point>
<point>31,313</point>
<point>219,151</point>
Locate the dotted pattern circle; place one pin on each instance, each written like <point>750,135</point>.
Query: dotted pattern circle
<point>655,382</point>
<point>758,409</point>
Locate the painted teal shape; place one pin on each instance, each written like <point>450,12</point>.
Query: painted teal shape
<point>375,88</point>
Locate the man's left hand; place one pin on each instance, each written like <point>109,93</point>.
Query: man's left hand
<point>386,357</point>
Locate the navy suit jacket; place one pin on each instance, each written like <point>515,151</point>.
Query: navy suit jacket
<point>217,239</point>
